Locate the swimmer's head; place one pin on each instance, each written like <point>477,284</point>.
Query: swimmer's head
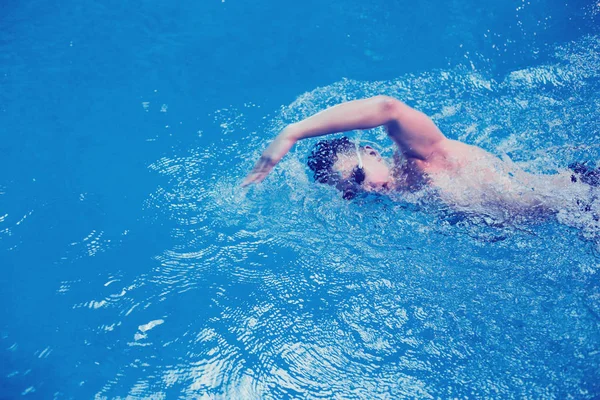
<point>349,167</point>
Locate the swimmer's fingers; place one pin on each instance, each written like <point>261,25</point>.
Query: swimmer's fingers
<point>260,171</point>
<point>253,178</point>
<point>270,157</point>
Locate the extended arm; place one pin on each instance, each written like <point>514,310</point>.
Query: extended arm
<point>411,130</point>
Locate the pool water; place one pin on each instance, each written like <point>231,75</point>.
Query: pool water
<point>135,266</point>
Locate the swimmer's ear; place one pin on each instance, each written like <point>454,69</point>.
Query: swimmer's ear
<point>371,151</point>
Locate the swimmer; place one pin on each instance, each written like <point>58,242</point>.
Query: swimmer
<point>465,177</point>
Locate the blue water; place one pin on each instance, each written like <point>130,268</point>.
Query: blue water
<point>133,265</point>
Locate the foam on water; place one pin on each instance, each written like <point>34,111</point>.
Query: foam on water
<point>298,292</point>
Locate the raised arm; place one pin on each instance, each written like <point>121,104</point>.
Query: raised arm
<point>411,130</point>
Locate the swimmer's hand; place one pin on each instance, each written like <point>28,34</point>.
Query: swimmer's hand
<point>271,156</point>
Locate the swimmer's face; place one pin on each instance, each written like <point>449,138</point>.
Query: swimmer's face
<point>377,174</point>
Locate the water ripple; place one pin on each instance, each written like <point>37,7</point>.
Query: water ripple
<point>287,290</point>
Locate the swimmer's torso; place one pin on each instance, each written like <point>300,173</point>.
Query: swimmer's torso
<point>468,178</point>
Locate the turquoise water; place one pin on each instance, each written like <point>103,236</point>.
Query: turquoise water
<point>134,266</point>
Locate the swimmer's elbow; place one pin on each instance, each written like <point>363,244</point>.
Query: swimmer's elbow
<point>391,108</point>
<point>404,123</point>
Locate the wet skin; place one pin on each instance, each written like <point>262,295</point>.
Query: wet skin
<point>464,176</point>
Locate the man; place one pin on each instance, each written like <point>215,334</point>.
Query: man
<point>466,177</point>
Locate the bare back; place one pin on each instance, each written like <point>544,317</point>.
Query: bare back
<point>469,178</point>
